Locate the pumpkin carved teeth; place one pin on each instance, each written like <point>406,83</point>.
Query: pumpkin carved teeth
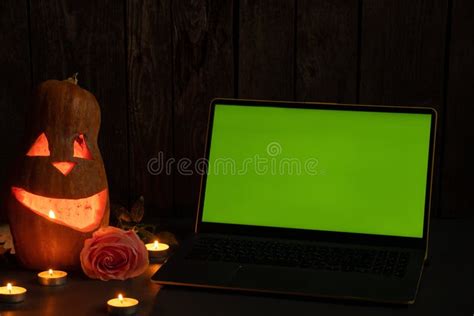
<point>83,215</point>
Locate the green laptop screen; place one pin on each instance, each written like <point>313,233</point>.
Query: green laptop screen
<point>317,169</point>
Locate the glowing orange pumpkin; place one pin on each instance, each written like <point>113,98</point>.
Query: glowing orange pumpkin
<point>59,194</point>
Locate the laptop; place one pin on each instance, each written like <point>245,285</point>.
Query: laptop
<point>311,199</point>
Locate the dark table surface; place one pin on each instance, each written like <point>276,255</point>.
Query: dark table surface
<point>446,289</point>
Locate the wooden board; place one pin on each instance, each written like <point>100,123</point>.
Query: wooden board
<point>326,50</point>
<point>402,52</point>
<point>458,155</point>
<point>267,49</point>
<point>15,84</point>
<point>402,57</point>
<point>203,69</point>
<point>71,36</point>
<point>150,103</point>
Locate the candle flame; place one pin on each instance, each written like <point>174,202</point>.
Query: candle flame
<point>9,288</point>
<point>50,272</point>
<point>51,214</point>
<point>120,297</point>
<point>155,245</point>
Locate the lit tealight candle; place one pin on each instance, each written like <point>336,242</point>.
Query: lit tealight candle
<point>157,250</point>
<point>12,294</point>
<point>52,277</point>
<point>122,305</point>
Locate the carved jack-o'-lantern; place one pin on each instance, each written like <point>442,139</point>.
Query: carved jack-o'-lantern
<point>59,194</point>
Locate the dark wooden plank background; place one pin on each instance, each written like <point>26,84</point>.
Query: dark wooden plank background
<point>458,151</point>
<point>327,35</point>
<point>266,49</point>
<point>150,100</point>
<point>155,65</point>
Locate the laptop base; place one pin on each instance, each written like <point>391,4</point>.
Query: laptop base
<point>249,277</point>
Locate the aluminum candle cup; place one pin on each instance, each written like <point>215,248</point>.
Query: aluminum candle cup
<point>12,294</point>
<point>122,306</point>
<point>52,277</point>
<point>157,251</point>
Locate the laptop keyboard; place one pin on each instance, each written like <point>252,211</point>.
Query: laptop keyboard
<point>309,256</point>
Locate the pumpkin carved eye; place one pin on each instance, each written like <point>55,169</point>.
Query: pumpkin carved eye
<point>40,147</point>
<point>80,148</point>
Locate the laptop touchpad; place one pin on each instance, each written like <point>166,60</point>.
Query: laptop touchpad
<point>275,278</point>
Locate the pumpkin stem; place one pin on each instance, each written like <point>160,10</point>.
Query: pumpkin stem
<point>73,79</point>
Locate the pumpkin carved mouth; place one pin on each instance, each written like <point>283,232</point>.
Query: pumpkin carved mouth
<point>83,215</point>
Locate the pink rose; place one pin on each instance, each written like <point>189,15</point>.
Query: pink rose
<point>114,254</point>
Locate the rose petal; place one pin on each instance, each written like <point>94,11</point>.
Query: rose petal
<point>112,253</point>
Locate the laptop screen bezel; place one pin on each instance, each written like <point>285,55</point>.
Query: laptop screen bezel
<point>329,236</point>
